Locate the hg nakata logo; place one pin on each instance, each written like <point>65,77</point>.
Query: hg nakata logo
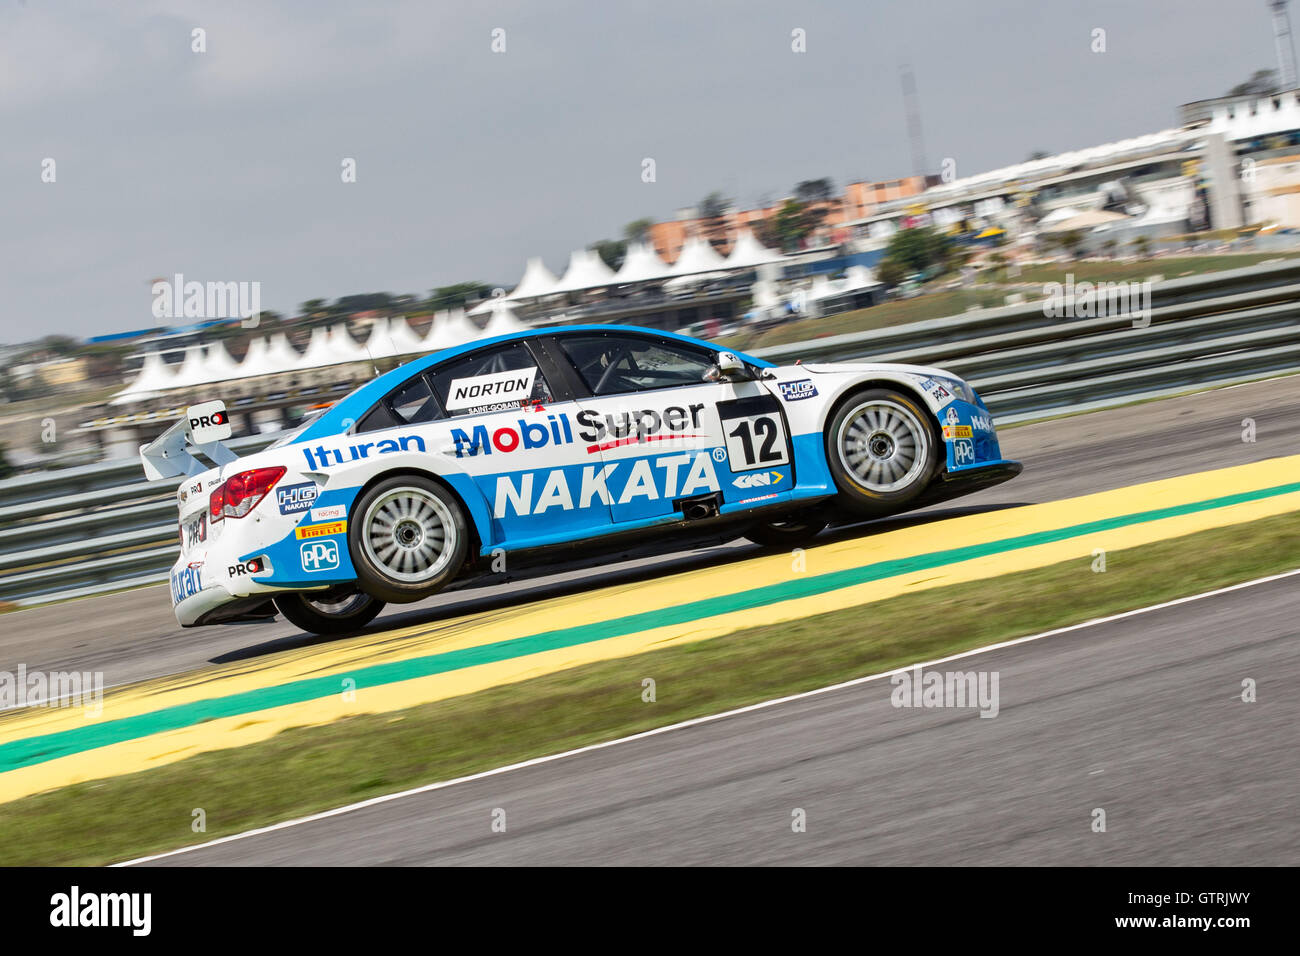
<point>320,556</point>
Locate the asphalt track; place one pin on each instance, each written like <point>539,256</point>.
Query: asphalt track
<point>1140,716</point>
<point>132,635</point>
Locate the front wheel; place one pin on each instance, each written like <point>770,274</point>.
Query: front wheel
<point>337,610</point>
<point>408,538</point>
<point>793,532</point>
<point>882,451</point>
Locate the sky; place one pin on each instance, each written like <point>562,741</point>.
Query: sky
<point>227,165</point>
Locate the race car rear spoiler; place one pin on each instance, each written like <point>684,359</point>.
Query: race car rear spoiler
<point>203,429</point>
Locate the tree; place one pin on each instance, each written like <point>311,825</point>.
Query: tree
<point>638,230</point>
<point>815,190</point>
<point>611,251</point>
<point>713,206</point>
<point>452,296</point>
<point>313,307</point>
<point>1142,246</point>
<point>6,470</point>
<point>815,195</point>
<point>998,261</point>
<point>1261,83</point>
<point>790,225</point>
<point>920,249</point>
<point>1070,241</point>
<point>1037,155</point>
<point>713,216</point>
<point>363,302</point>
<point>891,272</point>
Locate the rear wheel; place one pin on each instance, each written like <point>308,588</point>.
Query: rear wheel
<point>408,538</point>
<point>337,610</point>
<point>882,450</point>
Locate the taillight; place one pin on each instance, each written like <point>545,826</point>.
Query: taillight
<point>216,503</point>
<point>241,493</point>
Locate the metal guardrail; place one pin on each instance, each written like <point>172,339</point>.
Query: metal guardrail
<point>1211,329</point>
<point>100,527</point>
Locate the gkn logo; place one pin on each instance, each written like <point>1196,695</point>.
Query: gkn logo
<point>758,479</point>
<point>320,556</point>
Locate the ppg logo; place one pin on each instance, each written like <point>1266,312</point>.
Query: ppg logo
<point>320,556</point>
<point>963,452</point>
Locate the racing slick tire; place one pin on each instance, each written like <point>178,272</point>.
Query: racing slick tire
<point>883,451</point>
<point>408,538</point>
<point>338,610</point>
<point>791,532</point>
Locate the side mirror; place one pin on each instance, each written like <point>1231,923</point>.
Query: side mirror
<point>729,369</point>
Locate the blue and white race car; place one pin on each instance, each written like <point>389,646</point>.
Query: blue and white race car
<point>574,440</point>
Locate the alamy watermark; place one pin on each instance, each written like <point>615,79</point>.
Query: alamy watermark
<point>25,688</point>
<point>178,299</point>
<point>1097,300</point>
<point>934,689</point>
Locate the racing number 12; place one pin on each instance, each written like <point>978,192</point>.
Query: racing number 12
<point>766,432</point>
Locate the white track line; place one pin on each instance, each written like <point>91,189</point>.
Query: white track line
<point>695,721</point>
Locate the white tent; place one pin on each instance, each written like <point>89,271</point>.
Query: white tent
<point>537,281</point>
<point>765,294</point>
<point>281,354</point>
<point>859,277</point>
<point>218,366</point>
<point>822,287</point>
<point>690,281</point>
<point>318,350</point>
<point>257,361</point>
<point>380,343</point>
<point>405,341</point>
<point>155,376</point>
<point>748,252</point>
<point>503,321</point>
<point>484,307</point>
<point>641,264</point>
<point>450,329</point>
<point>697,256</point>
<point>191,370</point>
<point>586,270</point>
<point>343,347</point>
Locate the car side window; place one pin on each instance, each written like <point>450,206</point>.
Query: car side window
<point>502,377</point>
<point>411,403</point>
<point>612,364</point>
<point>414,403</point>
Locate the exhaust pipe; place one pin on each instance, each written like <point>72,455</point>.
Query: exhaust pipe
<point>696,509</point>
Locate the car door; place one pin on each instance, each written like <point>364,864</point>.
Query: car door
<point>512,433</point>
<point>665,435</point>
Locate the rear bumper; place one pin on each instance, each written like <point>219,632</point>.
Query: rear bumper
<point>216,605</point>
<point>197,606</point>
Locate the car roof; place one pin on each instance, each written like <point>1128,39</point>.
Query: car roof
<point>352,406</point>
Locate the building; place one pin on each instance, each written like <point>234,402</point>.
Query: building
<point>859,200</point>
